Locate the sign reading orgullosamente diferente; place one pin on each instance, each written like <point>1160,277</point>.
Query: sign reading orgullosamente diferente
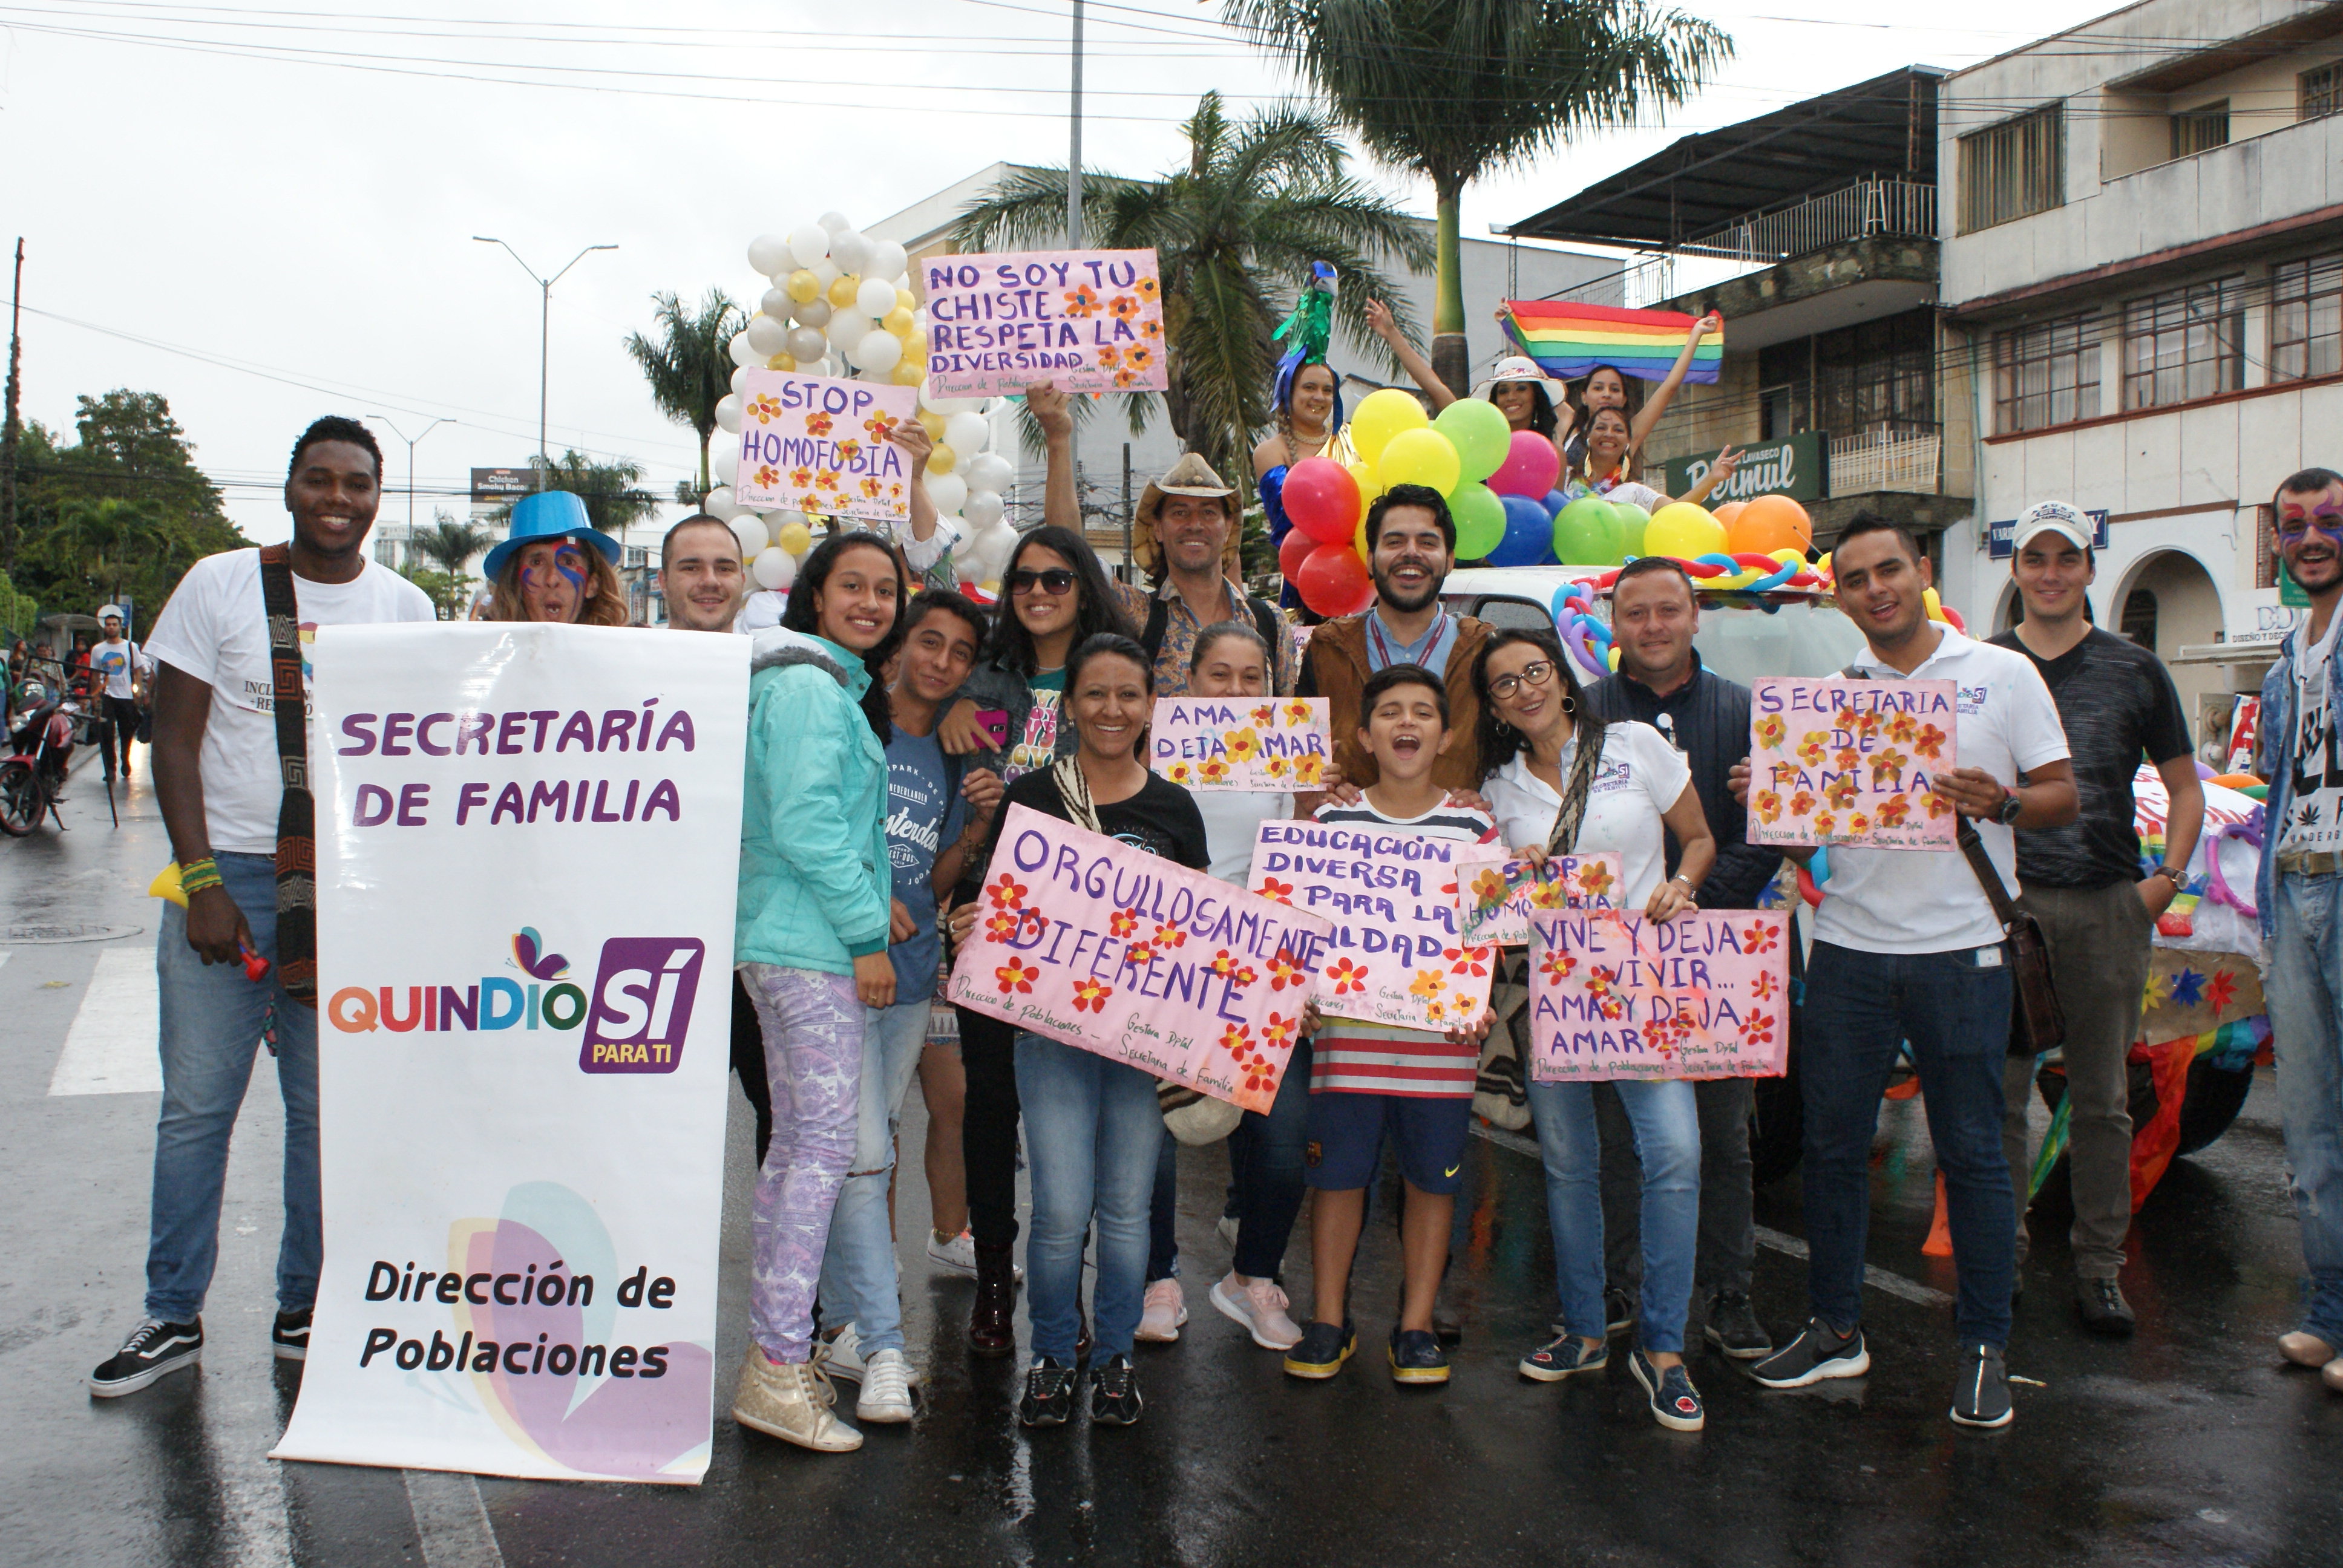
<point>1139,959</point>
<point>1083,320</point>
<point>818,444</point>
<point>1840,761</point>
<point>526,872</point>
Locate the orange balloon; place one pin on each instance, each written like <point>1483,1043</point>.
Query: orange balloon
<point>1727,512</point>
<point>1770,523</point>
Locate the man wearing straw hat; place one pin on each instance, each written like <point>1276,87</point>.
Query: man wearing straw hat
<point>1189,525</point>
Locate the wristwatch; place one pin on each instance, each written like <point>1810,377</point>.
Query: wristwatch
<point>2179,878</point>
<point>2012,806</point>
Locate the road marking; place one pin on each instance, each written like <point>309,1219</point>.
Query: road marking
<point>1780,1241</point>
<point>111,1047</point>
<point>451,1520</point>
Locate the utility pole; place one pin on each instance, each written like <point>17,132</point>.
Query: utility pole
<point>410,441</point>
<point>1074,202</point>
<point>1129,562</point>
<point>11,429</point>
<point>544,339</point>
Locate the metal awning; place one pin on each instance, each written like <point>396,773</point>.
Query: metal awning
<point>1886,126</point>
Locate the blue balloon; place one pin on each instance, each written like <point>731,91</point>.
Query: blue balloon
<point>1529,534</point>
<point>1554,501</point>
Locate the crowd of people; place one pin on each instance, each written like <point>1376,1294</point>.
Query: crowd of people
<point>891,717</point>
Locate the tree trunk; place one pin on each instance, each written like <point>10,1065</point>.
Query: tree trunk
<point>1451,359</point>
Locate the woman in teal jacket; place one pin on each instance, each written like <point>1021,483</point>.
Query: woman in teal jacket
<point>811,941</point>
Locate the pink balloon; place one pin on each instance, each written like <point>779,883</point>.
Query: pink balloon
<point>1531,466</point>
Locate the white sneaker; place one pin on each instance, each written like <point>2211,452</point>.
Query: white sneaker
<point>1227,1226</point>
<point>886,1388</point>
<point>1167,1309</point>
<point>841,1355</point>
<point>1261,1307</point>
<point>958,1255</point>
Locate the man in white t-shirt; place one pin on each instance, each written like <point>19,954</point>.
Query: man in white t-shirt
<point>2299,893</point>
<point>1907,949</point>
<point>116,662</point>
<point>220,784</point>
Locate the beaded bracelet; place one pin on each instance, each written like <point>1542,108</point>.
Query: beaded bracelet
<point>197,875</point>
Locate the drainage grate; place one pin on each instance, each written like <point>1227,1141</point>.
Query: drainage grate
<point>39,934</point>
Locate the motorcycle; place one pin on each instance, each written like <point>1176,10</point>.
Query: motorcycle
<point>41,742</point>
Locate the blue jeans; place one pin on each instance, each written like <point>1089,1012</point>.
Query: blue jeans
<point>857,1266</point>
<point>1092,1131</point>
<point>1666,1119</point>
<point>2306,1013</point>
<point>212,1020</point>
<point>1953,1009</point>
<point>1265,1166</point>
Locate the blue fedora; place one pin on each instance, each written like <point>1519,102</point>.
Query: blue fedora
<point>548,515</point>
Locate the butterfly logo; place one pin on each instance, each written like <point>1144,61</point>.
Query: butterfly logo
<point>540,964</point>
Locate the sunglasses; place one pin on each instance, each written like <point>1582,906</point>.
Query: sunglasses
<point>1055,581</point>
<point>1537,674</point>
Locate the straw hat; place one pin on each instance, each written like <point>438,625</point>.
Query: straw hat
<point>1520,367</point>
<point>1191,476</point>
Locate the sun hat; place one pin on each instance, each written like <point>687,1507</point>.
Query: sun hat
<point>1520,367</point>
<point>548,515</point>
<point>2052,517</point>
<point>1191,476</point>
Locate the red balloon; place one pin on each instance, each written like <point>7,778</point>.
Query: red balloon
<point>1292,550</point>
<point>1334,581</point>
<point>1322,499</point>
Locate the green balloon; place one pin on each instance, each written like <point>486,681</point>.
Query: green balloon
<point>1631,519</point>
<point>1586,532</point>
<point>1480,433</point>
<point>1480,519</point>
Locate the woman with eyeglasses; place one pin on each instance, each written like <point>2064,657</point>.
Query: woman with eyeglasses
<point>1054,597</point>
<point>1563,782</point>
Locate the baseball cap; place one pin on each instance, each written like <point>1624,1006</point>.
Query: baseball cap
<point>2052,516</point>
<point>111,609</point>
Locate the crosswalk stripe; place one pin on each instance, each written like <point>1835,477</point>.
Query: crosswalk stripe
<point>111,1047</point>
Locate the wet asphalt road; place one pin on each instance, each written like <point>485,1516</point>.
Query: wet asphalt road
<point>2191,1443</point>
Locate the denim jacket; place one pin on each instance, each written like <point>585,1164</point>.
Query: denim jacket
<point>2274,761</point>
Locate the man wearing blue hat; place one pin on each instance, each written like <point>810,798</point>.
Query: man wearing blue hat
<point>556,566</point>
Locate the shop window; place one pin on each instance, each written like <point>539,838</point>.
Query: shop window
<point>2322,90</point>
<point>2305,318</point>
<point>2184,344</point>
<point>2047,374</point>
<point>2201,129</point>
<point>2013,169</point>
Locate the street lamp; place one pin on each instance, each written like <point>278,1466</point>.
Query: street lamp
<point>545,328</point>
<point>410,441</point>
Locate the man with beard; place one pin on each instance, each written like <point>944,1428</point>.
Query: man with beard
<point>1189,523</point>
<point>1411,545</point>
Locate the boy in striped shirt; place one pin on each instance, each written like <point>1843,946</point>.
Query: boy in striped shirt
<point>1371,1082</point>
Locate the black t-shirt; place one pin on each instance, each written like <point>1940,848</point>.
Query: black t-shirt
<point>1161,819</point>
<point>2117,702</point>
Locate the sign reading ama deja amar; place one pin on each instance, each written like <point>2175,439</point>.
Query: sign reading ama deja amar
<point>1840,761</point>
<point>1239,743</point>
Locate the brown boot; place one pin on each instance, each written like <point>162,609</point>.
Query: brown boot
<point>992,1327</point>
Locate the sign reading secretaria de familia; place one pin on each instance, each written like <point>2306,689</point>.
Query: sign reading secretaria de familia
<point>526,876</point>
<point>1615,995</point>
<point>1840,761</point>
<point>1139,959</point>
<point>1083,320</point>
<point>1240,742</point>
<point>818,444</point>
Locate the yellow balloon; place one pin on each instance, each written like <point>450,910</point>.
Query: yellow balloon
<point>910,372</point>
<point>942,459</point>
<point>932,422</point>
<point>801,286</point>
<point>1682,529</point>
<point>905,299</point>
<point>780,362</point>
<point>898,321</point>
<point>1383,415</point>
<point>1364,474</point>
<point>1935,605</point>
<point>794,537</point>
<point>915,347</point>
<point>842,291</point>
<point>1418,457</point>
<point>1359,543</point>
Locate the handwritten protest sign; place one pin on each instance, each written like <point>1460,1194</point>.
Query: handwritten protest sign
<point>1392,956</point>
<point>818,444</point>
<point>1085,320</point>
<point>1116,952</point>
<point>1839,761</point>
<point>1496,893</point>
<point>1614,995</point>
<point>1241,743</point>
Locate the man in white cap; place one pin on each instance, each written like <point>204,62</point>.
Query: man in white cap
<point>2117,702</point>
<point>116,662</point>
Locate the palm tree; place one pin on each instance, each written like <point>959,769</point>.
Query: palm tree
<point>1234,233</point>
<point>611,490</point>
<point>1450,89</point>
<point>690,366</point>
<point>105,542</point>
<point>450,544</point>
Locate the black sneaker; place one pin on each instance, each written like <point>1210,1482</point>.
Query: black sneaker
<point>1322,1350</point>
<point>1675,1404</point>
<point>1115,1393</point>
<point>152,1350</point>
<point>1416,1356</point>
<point>1048,1393</point>
<point>2104,1309</point>
<point>1983,1398</point>
<point>1732,1327</point>
<point>1565,1356</point>
<point>1618,1312</point>
<point>290,1337</point>
<point>1818,1353</point>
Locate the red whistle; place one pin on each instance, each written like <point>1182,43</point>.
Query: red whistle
<point>255,968</point>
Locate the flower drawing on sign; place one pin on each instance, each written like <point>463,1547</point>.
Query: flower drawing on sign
<point>1242,744</point>
<point>2221,991</point>
<point>2188,988</point>
<point>1151,328</point>
<point>1768,804</point>
<point>1146,289</point>
<point>1764,985</point>
<point>1802,803</point>
<point>1180,773</point>
<point>1866,724</point>
<point>1552,895</point>
<point>1108,356</point>
<point>1435,1013</point>
<point>1858,825</point>
<point>1467,961</point>
<point>1122,922</point>
<point>880,423</point>
<point>767,476</point>
<point>1903,728</point>
<point>765,407</point>
<point>1275,766</point>
<point>1427,983</point>
<point>1844,718</point>
<point>1139,356</point>
<point>1559,965</point>
<point>1016,976</point>
<point>1489,888</point>
<point>872,490</point>
<point>1760,937</point>
<point>1243,977</point>
<point>1277,1029</point>
<point>1212,770</point>
<point>1091,995</point>
<point>1139,955</point>
<point>1224,963</point>
<point>1759,1028</point>
<point>1124,379</point>
<point>1167,935</point>
<point>1929,742</point>
<point>801,479</point>
<point>1308,767</point>
<point>1887,769</point>
<point>1236,1039</point>
<point>1840,792</point>
<point>1594,879</point>
<point>1265,715</point>
<point>1259,1075</point>
<point>1848,760</point>
<point>1770,730</point>
<point>825,479</point>
<point>1346,976</point>
<point>1008,893</point>
<point>1825,824</point>
<point>1893,810</point>
<point>1284,971</point>
<point>818,424</point>
<point>848,450</point>
<point>1939,806</point>
<point>1081,302</point>
<point>1000,927</point>
<point>1811,750</point>
<point>1124,307</point>
<point>1271,888</point>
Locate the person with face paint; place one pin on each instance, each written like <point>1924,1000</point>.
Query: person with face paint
<point>554,565</point>
<point>814,915</point>
<point>1603,470</point>
<point>2299,894</point>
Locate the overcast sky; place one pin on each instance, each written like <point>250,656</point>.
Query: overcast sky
<point>267,214</point>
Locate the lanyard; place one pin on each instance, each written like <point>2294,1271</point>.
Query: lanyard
<point>1379,656</point>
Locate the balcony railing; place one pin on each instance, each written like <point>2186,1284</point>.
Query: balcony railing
<point>1889,459</point>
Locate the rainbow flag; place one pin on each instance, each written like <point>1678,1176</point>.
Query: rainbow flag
<point>1567,340</point>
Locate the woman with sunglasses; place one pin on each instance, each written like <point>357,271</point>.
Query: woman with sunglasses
<point>1563,781</point>
<point>1054,597</point>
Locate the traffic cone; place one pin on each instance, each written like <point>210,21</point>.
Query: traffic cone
<point>1939,1243</point>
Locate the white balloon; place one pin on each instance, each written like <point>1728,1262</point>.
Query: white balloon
<point>876,297</point>
<point>831,222</point>
<point>770,254</point>
<point>985,508</point>
<point>805,343</point>
<point>768,335</point>
<point>990,472</point>
<point>744,356</point>
<point>966,434</point>
<point>849,250</point>
<point>720,504</point>
<point>749,529</point>
<point>777,304</point>
<point>948,491</point>
<point>887,259</point>
<point>993,545</point>
<point>850,327</point>
<point>727,413</point>
<point>827,271</point>
<point>946,406</point>
<point>814,312</point>
<point>877,377</point>
<point>773,568</point>
<point>809,244</point>
<point>724,456</point>
<point>877,353</point>
<point>739,379</point>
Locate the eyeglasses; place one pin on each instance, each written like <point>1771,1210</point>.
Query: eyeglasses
<point>1055,581</point>
<point>1537,674</point>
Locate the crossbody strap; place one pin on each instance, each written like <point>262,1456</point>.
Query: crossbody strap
<point>296,812</point>
<point>1989,875</point>
<point>1578,786</point>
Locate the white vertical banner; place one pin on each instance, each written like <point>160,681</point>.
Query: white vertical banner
<point>527,849</point>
